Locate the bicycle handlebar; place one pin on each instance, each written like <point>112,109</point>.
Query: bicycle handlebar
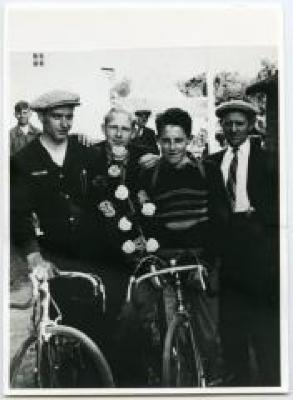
<point>94,280</point>
<point>170,270</point>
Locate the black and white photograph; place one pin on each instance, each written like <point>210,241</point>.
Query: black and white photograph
<point>145,201</point>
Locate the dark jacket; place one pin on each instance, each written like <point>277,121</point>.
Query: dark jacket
<point>58,196</point>
<point>132,168</point>
<point>261,186</point>
<point>148,139</point>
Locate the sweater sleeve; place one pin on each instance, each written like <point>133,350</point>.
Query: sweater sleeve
<point>21,208</point>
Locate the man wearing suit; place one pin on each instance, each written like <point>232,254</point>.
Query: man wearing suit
<point>249,277</point>
<point>144,135</point>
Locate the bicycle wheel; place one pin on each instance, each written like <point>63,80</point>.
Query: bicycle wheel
<point>182,365</point>
<point>23,366</point>
<point>70,359</point>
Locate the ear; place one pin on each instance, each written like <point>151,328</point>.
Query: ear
<point>251,124</point>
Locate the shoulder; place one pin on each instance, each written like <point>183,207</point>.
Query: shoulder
<point>216,158</point>
<point>149,131</point>
<point>34,129</point>
<point>28,156</point>
<point>137,150</point>
<point>13,130</point>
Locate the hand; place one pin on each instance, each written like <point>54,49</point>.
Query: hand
<point>148,160</point>
<point>40,268</point>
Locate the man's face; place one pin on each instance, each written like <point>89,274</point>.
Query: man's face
<point>236,126</point>
<point>118,130</point>
<point>173,141</point>
<point>57,123</point>
<point>23,116</point>
<point>142,119</point>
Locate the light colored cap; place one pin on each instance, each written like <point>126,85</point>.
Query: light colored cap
<point>236,105</point>
<point>55,98</point>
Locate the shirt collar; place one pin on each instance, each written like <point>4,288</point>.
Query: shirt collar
<point>243,148</point>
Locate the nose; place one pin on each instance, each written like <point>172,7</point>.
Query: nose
<point>64,122</point>
<point>172,145</point>
<point>234,127</point>
<point>118,132</point>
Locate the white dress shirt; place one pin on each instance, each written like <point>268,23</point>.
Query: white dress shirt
<point>242,203</point>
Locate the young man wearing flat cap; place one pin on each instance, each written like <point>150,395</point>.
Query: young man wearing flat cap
<point>24,132</point>
<point>51,219</point>
<point>249,276</point>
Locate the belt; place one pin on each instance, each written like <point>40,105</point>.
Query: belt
<point>244,214</point>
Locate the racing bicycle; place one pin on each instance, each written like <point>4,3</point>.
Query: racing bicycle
<point>56,355</point>
<point>182,364</point>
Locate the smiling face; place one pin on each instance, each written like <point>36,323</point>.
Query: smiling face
<point>173,141</point>
<point>236,126</point>
<point>57,123</point>
<point>118,129</point>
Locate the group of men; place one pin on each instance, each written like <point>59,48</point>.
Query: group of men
<point>221,206</point>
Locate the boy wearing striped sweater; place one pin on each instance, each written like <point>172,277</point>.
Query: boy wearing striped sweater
<point>189,195</point>
<point>191,209</point>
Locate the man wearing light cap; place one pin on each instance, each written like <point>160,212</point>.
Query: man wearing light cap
<point>51,219</point>
<point>248,299</point>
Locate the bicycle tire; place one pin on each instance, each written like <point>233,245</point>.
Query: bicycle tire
<point>86,367</point>
<point>23,365</point>
<point>79,358</point>
<point>182,364</point>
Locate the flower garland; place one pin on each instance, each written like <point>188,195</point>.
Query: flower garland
<point>121,206</point>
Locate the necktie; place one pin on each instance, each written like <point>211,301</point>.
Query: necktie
<point>232,178</point>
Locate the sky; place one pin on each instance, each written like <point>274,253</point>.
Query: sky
<point>153,74</point>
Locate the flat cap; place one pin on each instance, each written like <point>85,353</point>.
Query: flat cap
<point>236,105</point>
<point>143,112</point>
<point>55,98</point>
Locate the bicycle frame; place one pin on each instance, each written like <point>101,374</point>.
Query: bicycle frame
<point>41,300</point>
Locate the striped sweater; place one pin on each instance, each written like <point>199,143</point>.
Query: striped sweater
<point>184,202</point>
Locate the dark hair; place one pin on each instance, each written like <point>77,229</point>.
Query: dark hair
<point>21,105</point>
<point>174,116</point>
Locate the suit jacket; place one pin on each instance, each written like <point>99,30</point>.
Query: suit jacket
<point>147,139</point>
<point>18,139</point>
<point>261,183</point>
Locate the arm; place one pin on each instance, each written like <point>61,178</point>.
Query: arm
<point>22,230</point>
<point>219,207</point>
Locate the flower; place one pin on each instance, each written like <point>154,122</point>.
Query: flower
<point>124,224</point>
<point>152,245</point>
<point>114,171</point>
<point>119,153</point>
<point>106,207</point>
<point>128,247</point>
<point>121,192</point>
<point>142,196</point>
<point>148,209</point>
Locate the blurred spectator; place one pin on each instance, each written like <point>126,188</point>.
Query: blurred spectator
<point>23,132</point>
<point>144,136</point>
